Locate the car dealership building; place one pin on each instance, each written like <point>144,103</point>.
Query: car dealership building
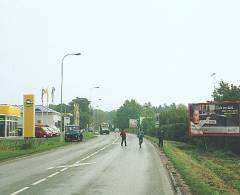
<point>9,116</point>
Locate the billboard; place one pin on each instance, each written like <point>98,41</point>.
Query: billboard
<point>133,123</point>
<point>29,116</point>
<point>214,119</point>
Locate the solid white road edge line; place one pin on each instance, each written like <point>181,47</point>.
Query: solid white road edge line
<point>17,192</point>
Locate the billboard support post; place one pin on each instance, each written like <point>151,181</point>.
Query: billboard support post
<point>205,143</point>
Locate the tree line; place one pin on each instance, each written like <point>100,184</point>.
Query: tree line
<point>90,118</point>
<point>173,118</point>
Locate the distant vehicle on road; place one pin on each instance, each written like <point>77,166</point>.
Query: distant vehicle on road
<point>104,128</point>
<point>73,133</point>
<point>116,130</point>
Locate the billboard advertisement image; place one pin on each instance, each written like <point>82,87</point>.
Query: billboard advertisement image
<point>214,119</point>
<point>133,123</point>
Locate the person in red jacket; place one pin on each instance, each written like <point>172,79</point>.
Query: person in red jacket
<point>124,137</point>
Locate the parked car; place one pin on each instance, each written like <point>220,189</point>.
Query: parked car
<point>56,130</point>
<point>42,131</point>
<point>73,133</point>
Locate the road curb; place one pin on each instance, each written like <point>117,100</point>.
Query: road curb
<point>170,169</point>
<point>174,182</point>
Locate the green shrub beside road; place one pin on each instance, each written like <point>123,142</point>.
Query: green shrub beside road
<point>212,172</point>
<point>88,135</point>
<point>10,148</point>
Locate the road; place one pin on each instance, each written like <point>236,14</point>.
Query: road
<point>97,166</point>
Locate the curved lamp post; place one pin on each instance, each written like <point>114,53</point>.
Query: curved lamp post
<point>70,54</point>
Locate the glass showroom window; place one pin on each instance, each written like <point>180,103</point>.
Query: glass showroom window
<point>2,126</point>
<point>12,124</point>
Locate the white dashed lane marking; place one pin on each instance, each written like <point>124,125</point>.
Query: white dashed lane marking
<point>39,181</point>
<point>53,174</point>
<point>65,167</point>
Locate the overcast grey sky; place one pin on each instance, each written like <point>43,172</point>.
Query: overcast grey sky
<point>150,50</point>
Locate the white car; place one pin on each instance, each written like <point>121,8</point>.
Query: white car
<point>55,130</point>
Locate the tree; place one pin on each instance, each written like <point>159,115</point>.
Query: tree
<point>173,120</point>
<point>83,109</point>
<point>226,92</point>
<point>129,110</point>
<point>148,125</point>
<point>148,110</point>
<point>99,116</point>
<point>66,108</point>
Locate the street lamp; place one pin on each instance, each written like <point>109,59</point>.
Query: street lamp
<point>213,76</point>
<point>214,79</point>
<point>70,54</point>
<point>91,89</point>
<point>99,99</point>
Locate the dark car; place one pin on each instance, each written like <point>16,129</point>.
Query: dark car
<point>73,133</point>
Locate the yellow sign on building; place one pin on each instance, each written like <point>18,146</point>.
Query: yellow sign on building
<point>29,116</point>
<point>8,110</point>
<point>8,120</point>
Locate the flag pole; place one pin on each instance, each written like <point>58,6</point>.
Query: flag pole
<point>47,102</point>
<point>42,104</point>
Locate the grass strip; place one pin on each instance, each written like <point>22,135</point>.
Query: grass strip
<point>10,148</point>
<point>205,173</point>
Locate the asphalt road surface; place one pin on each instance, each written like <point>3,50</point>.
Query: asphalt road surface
<point>98,166</point>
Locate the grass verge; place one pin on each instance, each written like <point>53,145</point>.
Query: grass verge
<point>10,148</point>
<point>88,135</point>
<point>212,172</point>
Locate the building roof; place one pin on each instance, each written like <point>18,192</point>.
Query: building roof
<point>40,109</point>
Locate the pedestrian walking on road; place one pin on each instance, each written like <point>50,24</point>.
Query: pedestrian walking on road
<point>160,136</point>
<point>140,136</point>
<point>124,137</point>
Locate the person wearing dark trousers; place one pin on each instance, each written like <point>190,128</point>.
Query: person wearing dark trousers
<point>161,139</point>
<point>124,137</point>
<point>140,136</point>
<point>160,136</point>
